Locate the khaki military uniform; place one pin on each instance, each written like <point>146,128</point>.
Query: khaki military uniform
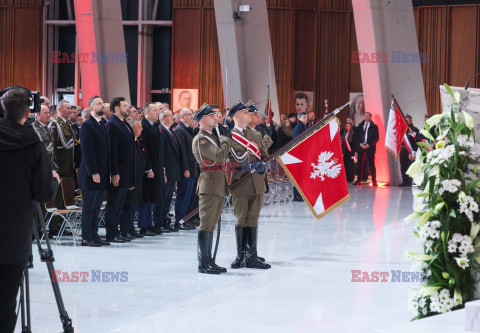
<point>63,143</point>
<point>44,134</point>
<point>209,151</point>
<point>247,196</point>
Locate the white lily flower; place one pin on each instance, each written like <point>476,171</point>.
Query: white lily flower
<point>457,297</point>
<point>469,120</point>
<point>416,171</point>
<point>462,262</point>
<point>474,230</point>
<point>410,255</point>
<point>435,171</point>
<point>435,120</point>
<point>427,291</point>
<point>440,144</point>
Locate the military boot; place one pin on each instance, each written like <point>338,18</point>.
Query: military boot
<point>212,262</point>
<point>252,260</point>
<point>240,236</point>
<point>204,264</point>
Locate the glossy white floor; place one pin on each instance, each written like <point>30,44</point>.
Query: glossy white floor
<point>308,289</point>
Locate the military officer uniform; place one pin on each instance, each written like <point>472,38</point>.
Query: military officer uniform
<point>247,196</point>
<point>210,152</point>
<point>63,143</point>
<point>45,136</point>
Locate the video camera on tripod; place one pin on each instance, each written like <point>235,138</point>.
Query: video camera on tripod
<point>35,100</point>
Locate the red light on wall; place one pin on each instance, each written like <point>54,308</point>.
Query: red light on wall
<point>89,70</point>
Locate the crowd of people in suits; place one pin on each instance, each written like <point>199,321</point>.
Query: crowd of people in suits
<point>135,160</point>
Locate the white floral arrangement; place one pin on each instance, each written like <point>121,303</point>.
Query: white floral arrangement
<point>446,213</point>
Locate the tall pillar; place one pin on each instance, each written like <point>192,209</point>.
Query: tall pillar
<point>103,66</point>
<point>388,28</point>
<point>246,53</point>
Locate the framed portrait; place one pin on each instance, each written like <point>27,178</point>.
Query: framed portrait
<point>357,108</point>
<point>184,98</point>
<point>303,101</point>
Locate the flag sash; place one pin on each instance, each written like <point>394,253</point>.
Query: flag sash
<point>250,146</point>
<point>408,145</point>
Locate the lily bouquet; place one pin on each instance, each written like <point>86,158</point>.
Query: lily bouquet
<point>446,212</point>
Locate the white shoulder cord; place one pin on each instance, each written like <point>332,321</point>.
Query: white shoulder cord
<point>65,145</point>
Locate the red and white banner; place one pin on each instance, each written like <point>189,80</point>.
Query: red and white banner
<point>315,166</point>
<point>396,129</point>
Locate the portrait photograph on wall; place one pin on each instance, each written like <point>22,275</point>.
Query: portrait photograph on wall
<point>184,98</point>
<point>303,101</point>
<point>357,108</point>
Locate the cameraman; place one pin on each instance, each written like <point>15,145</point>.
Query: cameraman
<point>25,175</point>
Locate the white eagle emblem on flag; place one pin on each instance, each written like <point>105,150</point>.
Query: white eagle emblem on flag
<point>326,167</point>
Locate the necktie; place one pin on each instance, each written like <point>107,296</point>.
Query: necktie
<point>174,138</point>
<point>215,133</point>
<point>126,125</point>
<point>366,131</point>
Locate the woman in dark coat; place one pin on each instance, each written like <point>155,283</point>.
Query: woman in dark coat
<point>284,134</point>
<point>348,149</point>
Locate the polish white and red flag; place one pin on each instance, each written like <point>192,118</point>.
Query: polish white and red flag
<point>315,166</point>
<point>396,130</point>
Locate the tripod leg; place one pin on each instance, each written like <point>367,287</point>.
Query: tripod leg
<point>27,301</point>
<point>47,256</point>
<point>22,305</point>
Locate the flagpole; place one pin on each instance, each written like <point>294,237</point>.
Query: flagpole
<point>226,79</point>
<point>269,99</point>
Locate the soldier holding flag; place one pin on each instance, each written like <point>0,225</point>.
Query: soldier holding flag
<point>250,149</point>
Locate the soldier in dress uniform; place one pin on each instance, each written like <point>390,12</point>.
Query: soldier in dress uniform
<point>63,139</point>
<point>41,127</point>
<point>249,148</point>
<point>63,143</point>
<point>210,152</point>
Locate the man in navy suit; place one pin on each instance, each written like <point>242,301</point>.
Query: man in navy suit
<point>367,137</point>
<point>122,164</point>
<point>176,166</point>
<point>185,187</point>
<point>94,173</point>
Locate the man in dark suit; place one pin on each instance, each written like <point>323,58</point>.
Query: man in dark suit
<point>176,166</point>
<point>94,173</point>
<point>122,163</point>
<point>135,196</point>
<point>301,124</point>
<point>154,183</point>
<point>185,187</point>
<point>367,138</point>
<point>407,158</point>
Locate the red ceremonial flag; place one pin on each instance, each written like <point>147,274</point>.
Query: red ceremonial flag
<point>396,129</point>
<point>315,166</point>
